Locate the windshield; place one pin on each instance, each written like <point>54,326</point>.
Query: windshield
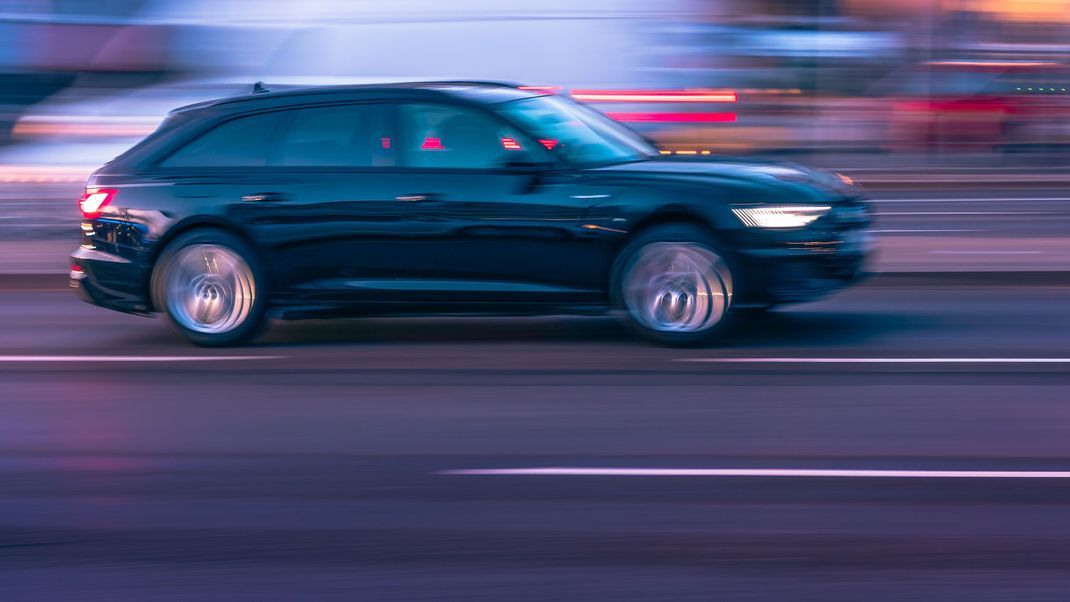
<point>580,135</point>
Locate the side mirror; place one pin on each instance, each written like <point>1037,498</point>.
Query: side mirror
<point>529,171</point>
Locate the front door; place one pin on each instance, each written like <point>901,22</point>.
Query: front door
<point>487,224</point>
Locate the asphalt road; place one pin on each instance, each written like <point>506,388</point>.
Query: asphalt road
<point>131,467</point>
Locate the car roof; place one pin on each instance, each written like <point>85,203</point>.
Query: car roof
<point>482,92</point>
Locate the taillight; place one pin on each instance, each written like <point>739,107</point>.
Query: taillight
<point>94,200</point>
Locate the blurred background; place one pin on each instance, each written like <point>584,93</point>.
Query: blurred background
<point>959,82</point>
<point>135,467</point>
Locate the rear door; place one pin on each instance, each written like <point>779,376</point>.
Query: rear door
<point>327,208</point>
<point>313,186</point>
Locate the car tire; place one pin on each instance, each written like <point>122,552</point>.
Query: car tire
<point>212,288</point>
<point>672,286</point>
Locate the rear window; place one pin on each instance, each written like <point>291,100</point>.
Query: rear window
<point>334,136</point>
<point>242,142</point>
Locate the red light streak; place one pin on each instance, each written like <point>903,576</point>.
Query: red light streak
<point>673,117</point>
<point>655,95</point>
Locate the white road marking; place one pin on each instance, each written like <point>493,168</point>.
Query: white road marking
<point>968,213</point>
<point>978,200</point>
<point>875,360</point>
<point>922,230</point>
<point>134,358</point>
<point>764,472</point>
<point>987,252</point>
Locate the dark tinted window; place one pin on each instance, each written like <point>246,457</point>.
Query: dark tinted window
<point>451,136</point>
<point>242,142</point>
<point>336,136</point>
<point>340,136</point>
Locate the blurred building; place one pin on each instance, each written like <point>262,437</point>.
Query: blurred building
<point>811,75</point>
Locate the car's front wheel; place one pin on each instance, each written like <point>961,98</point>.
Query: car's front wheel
<point>209,283</point>
<point>673,286</point>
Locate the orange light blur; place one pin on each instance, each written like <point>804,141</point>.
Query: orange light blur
<point>44,173</point>
<point>28,129</point>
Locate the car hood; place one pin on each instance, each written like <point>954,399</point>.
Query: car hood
<point>755,172</point>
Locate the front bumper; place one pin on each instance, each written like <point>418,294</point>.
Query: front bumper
<point>110,281</point>
<point>803,268</point>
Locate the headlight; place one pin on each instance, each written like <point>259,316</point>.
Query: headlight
<point>795,216</point>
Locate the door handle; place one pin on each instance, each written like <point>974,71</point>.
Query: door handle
<point>261,197</point>
<point>417,197</point>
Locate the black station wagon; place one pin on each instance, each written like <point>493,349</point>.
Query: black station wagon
<point>449,197</point>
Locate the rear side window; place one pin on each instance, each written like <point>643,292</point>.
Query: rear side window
<point>242,142</point>
<point>340,136</point>
<point>334,136</point>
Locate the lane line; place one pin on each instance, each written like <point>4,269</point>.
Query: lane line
<point>983,200</point>
<point>762,472</point>
<point>89,359</point>
<point>879,213</point>
<point>875,360</point>
<point>987,252</point>
<point>922,230</point>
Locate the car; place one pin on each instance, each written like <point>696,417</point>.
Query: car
<point>449,198</point>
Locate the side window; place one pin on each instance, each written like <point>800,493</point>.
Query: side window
<point>454,137</point>
<point>337,136</point>
<point>241,142</point>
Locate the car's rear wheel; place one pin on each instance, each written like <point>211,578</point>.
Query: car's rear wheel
<point>209,283</point>
<point>673,286</point>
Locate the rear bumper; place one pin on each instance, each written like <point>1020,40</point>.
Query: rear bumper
<point>110,281</point>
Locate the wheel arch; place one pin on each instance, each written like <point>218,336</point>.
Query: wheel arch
<point>200,223</point>
<point>672,214</point>
<point>193,225</point>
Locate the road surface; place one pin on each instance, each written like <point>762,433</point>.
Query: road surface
<point>322,462</point>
